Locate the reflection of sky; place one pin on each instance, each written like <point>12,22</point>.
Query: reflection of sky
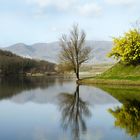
<point>41,122</point>
<point>39,117</point>
<point>23,121</point>
<point>49,95</point>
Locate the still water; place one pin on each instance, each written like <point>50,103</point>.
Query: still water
<point>58,109</point>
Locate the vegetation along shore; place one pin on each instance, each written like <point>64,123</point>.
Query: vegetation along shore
<point>127,71</point>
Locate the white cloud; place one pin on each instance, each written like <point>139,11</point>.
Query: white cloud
<point>121,2</point>
<point>89,9</point>
<point>86,9</point>
<point>59,4</point>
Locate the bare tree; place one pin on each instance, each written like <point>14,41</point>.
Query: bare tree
<point>73,50</point>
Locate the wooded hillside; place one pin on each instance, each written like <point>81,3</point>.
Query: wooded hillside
<point>14,64</point>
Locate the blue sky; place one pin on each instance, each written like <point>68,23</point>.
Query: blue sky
<point>32,21</point>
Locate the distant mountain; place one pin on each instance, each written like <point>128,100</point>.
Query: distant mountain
<point>50,51</point>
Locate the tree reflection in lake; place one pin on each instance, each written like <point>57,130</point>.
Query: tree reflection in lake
<point>128,117</point>
<point>74,111</point>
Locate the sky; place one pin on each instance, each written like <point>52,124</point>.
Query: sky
<point>32,21</point>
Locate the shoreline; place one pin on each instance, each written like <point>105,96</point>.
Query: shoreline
<point>92,81</point>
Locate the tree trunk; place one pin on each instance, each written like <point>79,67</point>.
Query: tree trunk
<point>77,75</point>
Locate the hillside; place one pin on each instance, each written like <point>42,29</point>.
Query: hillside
<point>121,71</point>
<point>119,74</point>
<point>13,64</point>
<point>50,51</point>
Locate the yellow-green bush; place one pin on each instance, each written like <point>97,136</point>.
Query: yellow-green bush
<point>127,47</point>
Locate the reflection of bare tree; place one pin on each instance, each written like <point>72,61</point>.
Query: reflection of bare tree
<point>74,111</point>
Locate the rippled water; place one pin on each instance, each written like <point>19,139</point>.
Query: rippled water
<point>58,109</point>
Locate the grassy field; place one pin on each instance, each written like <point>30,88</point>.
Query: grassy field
<point>119,74</point>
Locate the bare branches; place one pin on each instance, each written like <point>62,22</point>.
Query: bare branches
<point>73,49</point>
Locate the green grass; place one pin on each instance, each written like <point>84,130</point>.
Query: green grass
<point>122,93</point>
<point>121,71</point>
<point>119,74</point>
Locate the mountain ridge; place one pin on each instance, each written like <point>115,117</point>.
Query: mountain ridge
<point>50,51</point>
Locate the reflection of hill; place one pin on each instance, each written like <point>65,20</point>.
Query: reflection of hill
<point>48,95</point>
<point>96,96</point>
<point>123,93</point>
<point>44,90</point>
<point>12,86</point>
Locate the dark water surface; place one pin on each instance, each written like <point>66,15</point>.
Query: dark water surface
<point>58,109</point>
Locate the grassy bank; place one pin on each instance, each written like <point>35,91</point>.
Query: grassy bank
<point>119,74</point>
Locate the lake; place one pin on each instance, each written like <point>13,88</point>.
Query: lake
<point>58,109</point>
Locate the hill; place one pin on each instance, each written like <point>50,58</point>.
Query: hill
<point>50,51</point>
<point>121,71</point>
<point>119,74</point>
<point>13,64</point>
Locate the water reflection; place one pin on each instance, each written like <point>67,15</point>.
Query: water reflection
<point>74,112</point>
<point>10,86</point>
<point>127,117</point>
<point>56,110</point>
